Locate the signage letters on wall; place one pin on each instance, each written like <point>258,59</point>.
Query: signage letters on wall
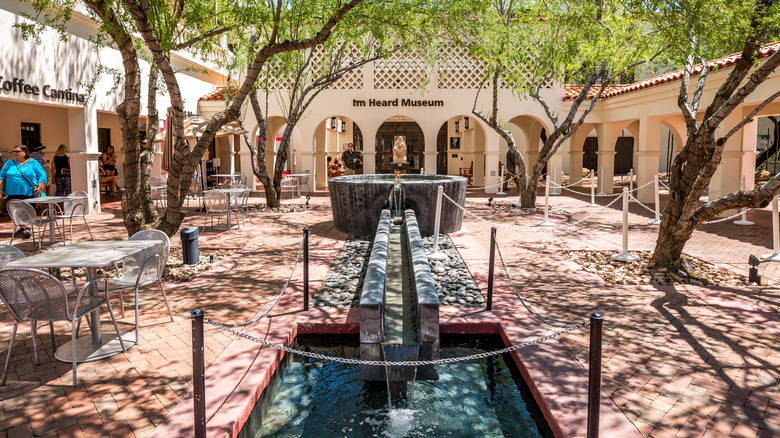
<point>395,102</point>
<point>17,85</point>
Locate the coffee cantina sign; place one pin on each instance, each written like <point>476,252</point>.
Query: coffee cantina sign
<point>17,85</point>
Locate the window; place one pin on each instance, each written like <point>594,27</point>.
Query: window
<point>31,134</point>
<point>104,139</point>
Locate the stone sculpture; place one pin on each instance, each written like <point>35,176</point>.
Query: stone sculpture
<point>399,150</point>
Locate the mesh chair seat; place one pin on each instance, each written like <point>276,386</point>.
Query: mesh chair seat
<point>23,214</point>
<point>291,183</point>
<point>142,269</point>
<point>87,304</point>
<point>9,254</point>
<point>75,208</point>
<point>33,295</point>
<point>217,203</point>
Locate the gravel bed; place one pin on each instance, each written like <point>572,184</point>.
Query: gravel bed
<point>342,284</point>
<point>512,208</point>
<point>175,271</point>
<point>692,271</point>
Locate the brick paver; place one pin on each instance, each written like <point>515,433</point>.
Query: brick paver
<point>678,360</point>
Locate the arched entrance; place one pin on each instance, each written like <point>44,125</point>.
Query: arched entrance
<point>415,143</point>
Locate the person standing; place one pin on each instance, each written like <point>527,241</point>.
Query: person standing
<point>60,168</point>
<point>350,159</point>
<point>22,178</point>
<point>35,154</point>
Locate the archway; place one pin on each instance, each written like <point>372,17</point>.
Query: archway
<point>385,138</point>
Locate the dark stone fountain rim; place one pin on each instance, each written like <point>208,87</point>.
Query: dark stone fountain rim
<point>379,178</point>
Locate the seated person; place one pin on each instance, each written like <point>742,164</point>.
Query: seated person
<point>333,168</point>
<point>107,176</point>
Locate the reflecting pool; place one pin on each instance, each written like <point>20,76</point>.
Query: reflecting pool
<point>327,399</point>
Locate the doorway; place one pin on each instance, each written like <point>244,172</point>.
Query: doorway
<point>415,145</point>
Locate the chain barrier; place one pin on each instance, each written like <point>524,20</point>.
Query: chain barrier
<point>614,195</point>
<point>594,214</point>
<point>569,185</point>
<point>664,184</point>
<point>651,210</point>
<point>475,216</point>
<point>244,324</point>
<point>726,218</point>
<point>402,363</point>
<point>534,229</point>
<point>522,301</point>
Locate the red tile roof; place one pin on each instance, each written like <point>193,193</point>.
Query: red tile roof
<point>572,91</point>
<point>219,94</point>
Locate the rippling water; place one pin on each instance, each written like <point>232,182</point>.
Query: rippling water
<point>326,399</point>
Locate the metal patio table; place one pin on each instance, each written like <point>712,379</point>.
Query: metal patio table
<point>90,255</point>
<point>51,202</point>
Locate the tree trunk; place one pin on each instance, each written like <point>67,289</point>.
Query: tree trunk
<point>138,208</point>
<point>671,241</point>
<point>528,194</point>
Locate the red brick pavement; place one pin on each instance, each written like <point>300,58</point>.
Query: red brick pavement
<point>679,361</point>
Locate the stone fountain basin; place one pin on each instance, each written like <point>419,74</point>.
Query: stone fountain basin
<point>357,201</point>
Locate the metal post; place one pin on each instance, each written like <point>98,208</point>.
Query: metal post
<point>306,268</point>
<point>657,220</point>
<point>435,253</point>
<point>594,374</point>
<point>592,188</point>
<point>491,268</point>
<point>631,180</point>
<point>546,222</point>
<point>556,189</point>
<point>625,256</point>
<point>744,220</point>
<point>775,256</point>
<point>501,183</point>
<point>198,374</point>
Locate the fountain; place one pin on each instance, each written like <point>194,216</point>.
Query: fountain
<point>357,201</point>
<point>399,306</point>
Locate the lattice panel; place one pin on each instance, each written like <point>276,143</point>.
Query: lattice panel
<point>462,72</point>
<point>351,80</point>
<point>399,73</point>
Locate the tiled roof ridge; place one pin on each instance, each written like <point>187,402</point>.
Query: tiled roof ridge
<point>219,93</point>
<point>573,90</point>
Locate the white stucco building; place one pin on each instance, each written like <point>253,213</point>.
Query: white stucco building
<point>636,126</point>
<point>43,94</point>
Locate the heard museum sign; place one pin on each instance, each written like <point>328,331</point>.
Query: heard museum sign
<point>395,102</point>
<point>17,85</point>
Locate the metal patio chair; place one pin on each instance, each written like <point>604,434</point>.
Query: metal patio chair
<point>33,295</point>
<point>75,208</point>
<point>23,214</point>
<point>217,203</point>
<point>242,202</point>
<point>142,269</point>
<point>290,183</point>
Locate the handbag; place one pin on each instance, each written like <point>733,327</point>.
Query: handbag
<point>43,192</point>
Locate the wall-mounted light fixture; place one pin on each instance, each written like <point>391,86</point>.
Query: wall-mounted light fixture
<point>333,123</point>
<point>343,125</point>
<point>465,123</point>
<point>457,126</point>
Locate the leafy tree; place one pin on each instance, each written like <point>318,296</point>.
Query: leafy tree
<point>314,71</point>
<point>590,43</point>
<point>688,27</point>
<point>384,28</point>
<point>164,26</point>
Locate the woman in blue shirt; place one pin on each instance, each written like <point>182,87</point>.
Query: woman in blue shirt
<point>22,178</point>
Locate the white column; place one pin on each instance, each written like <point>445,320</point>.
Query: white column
<point>82,136</point>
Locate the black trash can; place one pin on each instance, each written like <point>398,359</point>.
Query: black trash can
<point>189,245</point>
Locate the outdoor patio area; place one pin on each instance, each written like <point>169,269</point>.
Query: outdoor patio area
<point>679,360</point>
